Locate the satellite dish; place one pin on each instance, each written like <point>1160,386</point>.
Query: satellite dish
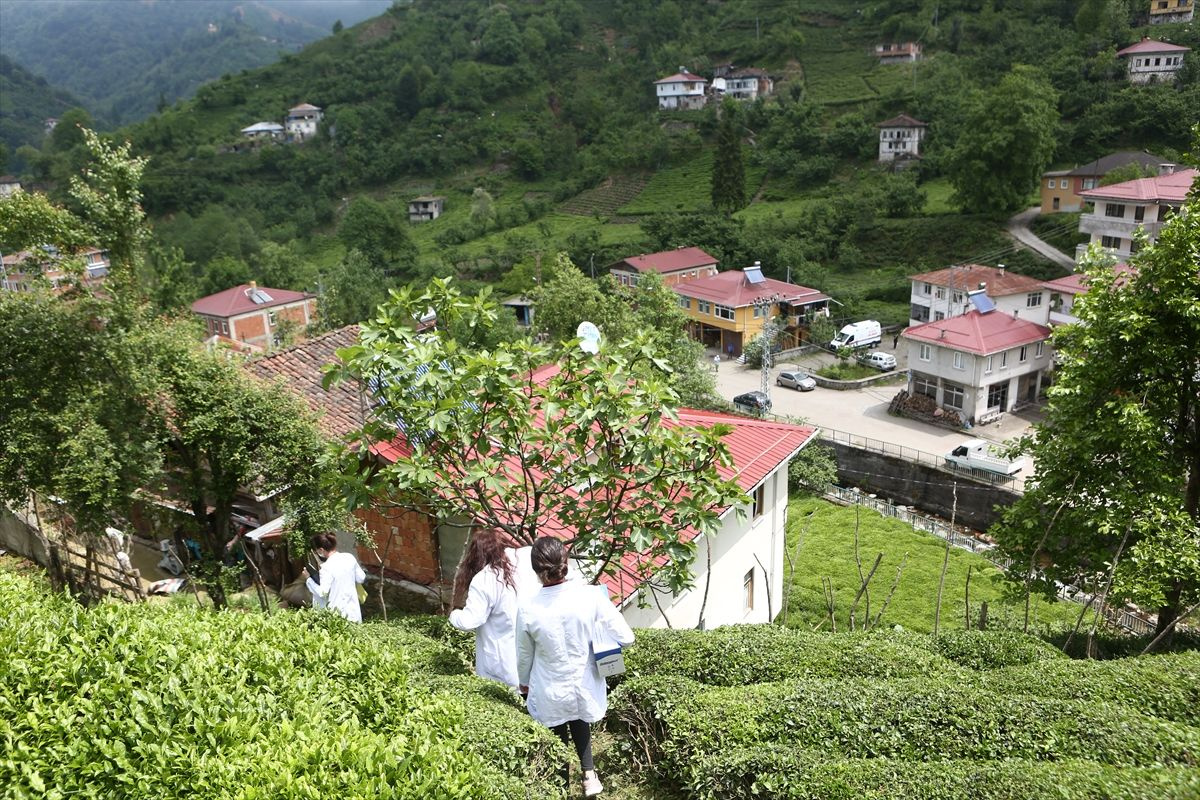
<point>589,337</point>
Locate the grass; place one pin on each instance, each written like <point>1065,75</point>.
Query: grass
<point>937,197</point>
<point>848,371</point>
<point>820,541</point>
<point>687,186</point>
<point>1060,231</point>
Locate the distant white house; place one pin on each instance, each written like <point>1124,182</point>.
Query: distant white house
<point>264,130</point>
<point>683,91</point>
<point>892,53</point>
<point>749,83</point>
<point>900,138</point>
<point>1152,62</point>
<point>302,121</point>
<point>1121,208</point>
<point>425,208</point>
<point>1163,11</point>
<point>9,185</point>
<point>979,364</point>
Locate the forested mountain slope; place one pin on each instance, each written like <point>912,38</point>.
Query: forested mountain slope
<point>26,102</point>
<point>125,59</point>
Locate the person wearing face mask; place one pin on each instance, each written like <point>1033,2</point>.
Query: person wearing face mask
<point>555,662</point>
<point>335,584</point>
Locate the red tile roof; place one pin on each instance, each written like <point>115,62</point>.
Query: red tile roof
<point>902,121</point>
<point>1147,45</point>
<point>681,77</point>
<point>338,410</point>
<point>1077,282</point>
<point>668,261</point>
<point>982,334</point>
<point>1000,282</point>
<point>232,302</point>
<point>730,288</point>
<point>1171,188</point>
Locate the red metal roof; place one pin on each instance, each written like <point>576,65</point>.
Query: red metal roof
<point>731,288</point>
<point>1000,282</point>
<point>1171,188</point>
<point>902,121</point>
<point>232,302</point>
<point>981,334</point>
<point>681,77</point>
<point>1077,282</point>
<point>1148,45</point>
<point>669,260</point>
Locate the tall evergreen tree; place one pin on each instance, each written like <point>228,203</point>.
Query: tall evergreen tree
<point>729,174</point>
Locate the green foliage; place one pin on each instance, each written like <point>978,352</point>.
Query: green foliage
<point>1116,457</point>
<point>846,370</point>
<point>379,233</point>
<point>168,702</point>
<point>991,649</point>
<point>814,469</point>
<point>728,175</point>
<point>26,102</point>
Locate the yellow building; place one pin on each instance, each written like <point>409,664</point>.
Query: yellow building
<point>728,309</point>
<point>1171,11</point>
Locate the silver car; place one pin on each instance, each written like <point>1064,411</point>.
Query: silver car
<point>794,379</point>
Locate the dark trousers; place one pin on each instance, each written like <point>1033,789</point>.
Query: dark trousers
<point>581,733</point>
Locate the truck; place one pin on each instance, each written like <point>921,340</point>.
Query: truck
<point>858,334</point>
<point>978,454</point>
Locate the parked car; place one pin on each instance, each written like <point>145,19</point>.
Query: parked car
<point>884,362</point>
<point>795,379</point>
<point>753,402</point>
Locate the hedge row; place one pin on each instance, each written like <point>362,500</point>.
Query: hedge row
<point>788,774</point>
<point>981,650</point>
<point>739,655</point>
<point>162,702</point>
<point>680,723</point>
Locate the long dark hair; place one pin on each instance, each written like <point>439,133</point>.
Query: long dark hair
<point>485,550</point>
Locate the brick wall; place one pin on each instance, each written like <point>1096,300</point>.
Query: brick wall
<point>250,328</point>
<point>411,553</point>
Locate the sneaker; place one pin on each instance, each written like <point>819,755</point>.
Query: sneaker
<point>591,784</point>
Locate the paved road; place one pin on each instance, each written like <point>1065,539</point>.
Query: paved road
<point>863,412</point>
<point>1018,228</point>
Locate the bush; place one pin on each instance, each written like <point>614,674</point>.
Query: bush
<point>991,649</point>
<point>740,655</point>
<point>143,701</point>
<point>680,723</point>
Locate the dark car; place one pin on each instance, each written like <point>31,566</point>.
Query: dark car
<point>754,402</point>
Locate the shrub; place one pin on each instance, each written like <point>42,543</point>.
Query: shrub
<point>991,649</point>
<point>746,654</point>
<point>139,701</point>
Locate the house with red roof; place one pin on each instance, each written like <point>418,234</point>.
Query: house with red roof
<point>945,293</point>
<point>1066,290</point>
<point>683,91</point>
<point>1150,61</point>
<point>898,52</point>
<point>256,315</point>
<point>979,364</point>
<point>727,310</point>
<point>1061,189</point>
<point>19,271</point>
<point>900,138</point>
<point>421,553</point>
<point>682,264</point>
<point>1122,208</point>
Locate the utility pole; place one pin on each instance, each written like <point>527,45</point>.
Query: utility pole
<point>592,263</point>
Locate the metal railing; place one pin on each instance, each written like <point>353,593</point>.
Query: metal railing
<point>915,456</point>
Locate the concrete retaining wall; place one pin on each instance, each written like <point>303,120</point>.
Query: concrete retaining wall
<point>17,536</point>
<point>926,488</point>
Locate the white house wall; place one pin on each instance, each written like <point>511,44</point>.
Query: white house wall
<point>977,374</point>
<point>738,547</point>
<point>953,302</point>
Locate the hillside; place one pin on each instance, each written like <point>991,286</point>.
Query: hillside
<point>26,102</point>
<point>142,56</point>
<point>538,123</point>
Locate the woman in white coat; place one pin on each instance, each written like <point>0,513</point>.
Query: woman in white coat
<point>335,584</point>
<point>485,600</point>
<point>555,662</point>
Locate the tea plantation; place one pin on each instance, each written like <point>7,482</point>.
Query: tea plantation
<point>165,701</point>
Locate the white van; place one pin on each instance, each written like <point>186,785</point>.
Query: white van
<point>858,334</point>
<point>981,455</point>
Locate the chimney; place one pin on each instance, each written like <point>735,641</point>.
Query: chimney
<point>253,284</point>
<point>1166,169</point>
<point>684,70</point>
<point>983,286</point>
<point>942,334</point>
<point>1014,313</point>
<point>1001,268</point>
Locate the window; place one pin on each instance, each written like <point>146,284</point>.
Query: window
<point>926,352</point>
<point>724,312</point>
<point>1050,183</point>
<point>938,315</point>
<point>758,501</point>
<point>987,365</point>
<point>1089,183</point>
<point>1004,360</point>
<point>952,396</point>
<point>926,289</point>
<point>685,302</point>
<point>997,395</point>
<point>1111,241</point>
<point>1037,351</point>
<point>271,317</point>
<point>958,360</point>
<point>748,591</point>
<point>939,293</point>
<point>1139,214</point>
<point>1114,209</point>
<point>760,311</point>
<point>957,297</point>
<point>1033,300</point>
<point>919,313</point>
<point>703,306</point>
<point>924,385</point>
<point>1023,354</point>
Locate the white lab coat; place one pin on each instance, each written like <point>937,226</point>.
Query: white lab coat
<point>554,653</point>
<point>338,589</point>
<point>491,611</point>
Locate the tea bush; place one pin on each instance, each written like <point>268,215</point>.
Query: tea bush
<point>990,649</point>
<point>137,701</point>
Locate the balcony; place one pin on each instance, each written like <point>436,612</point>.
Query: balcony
<point>1116,226</point>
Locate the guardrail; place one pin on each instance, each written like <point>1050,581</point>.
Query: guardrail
<point>913,454</point>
